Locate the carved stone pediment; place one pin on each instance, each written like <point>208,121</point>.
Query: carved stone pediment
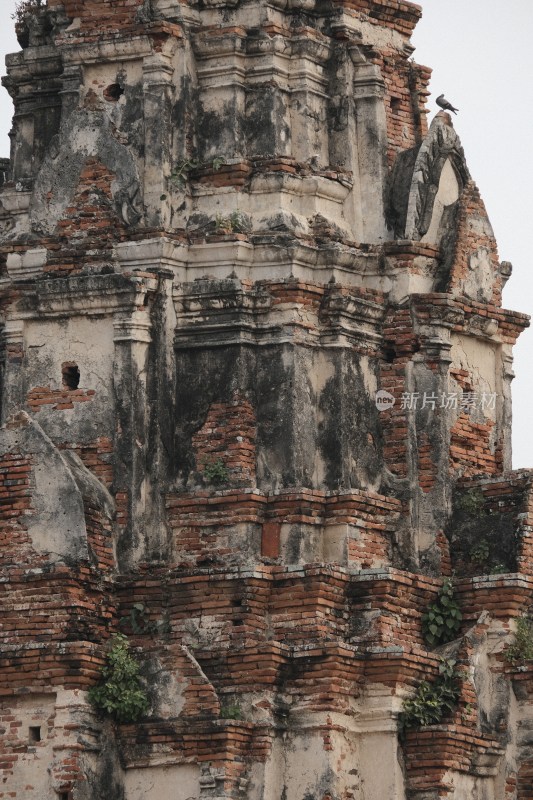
<point>417,177</point>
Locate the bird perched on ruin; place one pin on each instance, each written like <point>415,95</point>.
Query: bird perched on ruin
<point>443,103</point>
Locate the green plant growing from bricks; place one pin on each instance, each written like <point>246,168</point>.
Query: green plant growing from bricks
<point>231,711</point>
<point>480,553</point>
<point>184,167</point>
<point>432,701</point>
<point>25,9</point>
<point>216,472</point>
<point>472,502</point>
<point>521,650</point>
<point>120,693</point>
<point>442,620</point>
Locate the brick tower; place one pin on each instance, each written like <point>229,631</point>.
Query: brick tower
<point>256,410</point>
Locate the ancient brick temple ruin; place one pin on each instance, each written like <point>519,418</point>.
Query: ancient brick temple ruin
<point>225,227</point>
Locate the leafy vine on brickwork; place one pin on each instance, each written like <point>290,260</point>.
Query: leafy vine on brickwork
<point>442,620</point>
<point>481,555</point>
<point>432,701</point>
<point>182,168</point>
<point>521,650</point>
<point>120,693</point>
<point>472,502</point>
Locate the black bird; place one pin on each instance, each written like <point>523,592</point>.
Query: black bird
<point>443,103</point>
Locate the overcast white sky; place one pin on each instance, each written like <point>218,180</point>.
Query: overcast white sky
<point>482,59</point>
<point>481,55</point>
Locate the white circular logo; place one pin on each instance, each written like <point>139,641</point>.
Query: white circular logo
<point>384,400</point>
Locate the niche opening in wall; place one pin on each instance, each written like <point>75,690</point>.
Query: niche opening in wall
<point>71,375</point>
<point>34,733</point>
<point>396,104</point>
<point>390,354</point>
<point>113,92</point>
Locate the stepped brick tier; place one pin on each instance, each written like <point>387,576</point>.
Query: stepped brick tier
<point>225,230</point>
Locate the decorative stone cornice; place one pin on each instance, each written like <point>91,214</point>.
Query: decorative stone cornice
<point>356,318</point>
<point>481,320</point>
<point>89,295</point>
<point>111,49</point>
<point>134,328</point>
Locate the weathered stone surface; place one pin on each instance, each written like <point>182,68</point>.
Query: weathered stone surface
<point>256,406</point>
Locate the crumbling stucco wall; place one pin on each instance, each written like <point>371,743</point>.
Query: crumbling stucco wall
<point>241,280</point>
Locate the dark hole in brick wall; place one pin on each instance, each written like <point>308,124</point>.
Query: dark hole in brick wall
<point>390,355</point>
<point>64,796</point>
<point>71,375</point>
<point>238,622</point>
<point>113,92</point>
<point>396,104</point>
<point>35,733</point>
